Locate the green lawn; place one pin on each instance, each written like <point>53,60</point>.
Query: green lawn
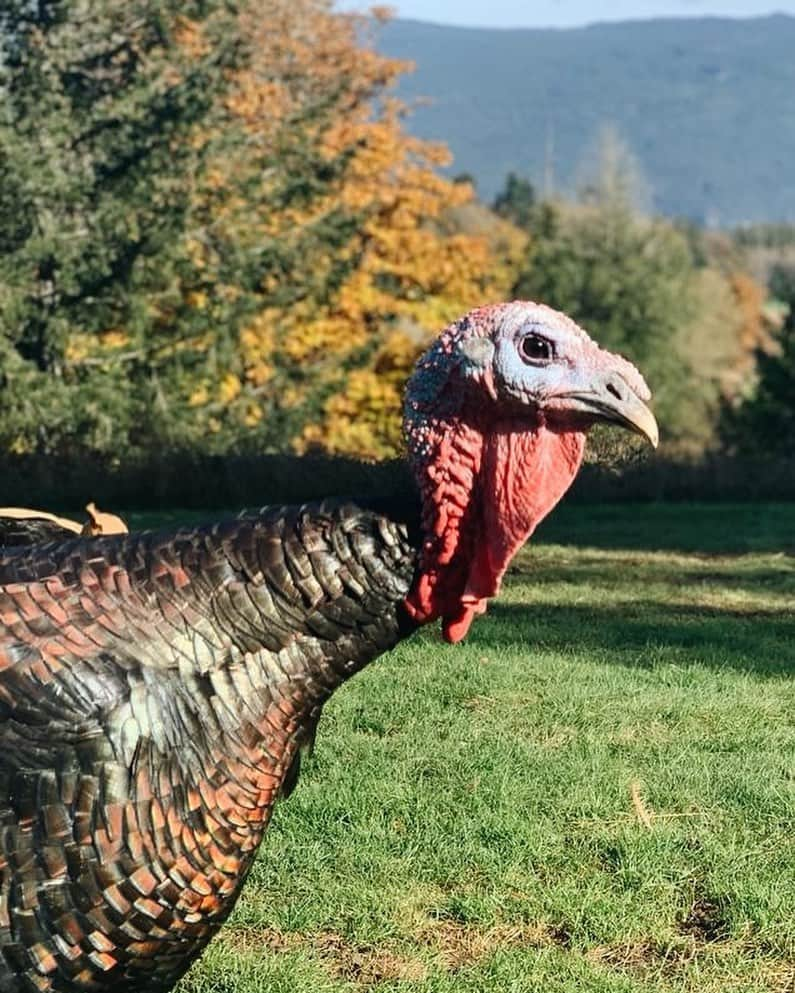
<point>596,792</point>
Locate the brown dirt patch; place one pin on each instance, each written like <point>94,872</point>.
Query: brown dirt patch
<point>705,922</point>
<point>365,965</point>
<point>454,946</point>
<point>459,945</point>
<point>644,955</point>
<point>649,956</point>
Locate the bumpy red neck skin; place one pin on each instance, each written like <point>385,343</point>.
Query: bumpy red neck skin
<point>485,485</point>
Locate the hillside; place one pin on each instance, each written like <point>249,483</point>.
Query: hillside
<point>705,104</point>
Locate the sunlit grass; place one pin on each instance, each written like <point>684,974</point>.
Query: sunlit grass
<point>596,792</point>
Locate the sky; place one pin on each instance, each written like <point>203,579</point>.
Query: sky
<point>568,13</point>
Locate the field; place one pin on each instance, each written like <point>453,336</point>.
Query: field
<point>595,793</point>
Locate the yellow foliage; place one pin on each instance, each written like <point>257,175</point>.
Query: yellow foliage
<point>350,339</point>
<point>229,388</point>
<point>81,346</point>
<point>199,397</point>
<point>78,348</point>
<point>362,418</point>
<point>197,299</point>
<point>190,37</point>
<point>410,272</point>
<point>114,338</point>
<point>196,250</point>
<point>20,446</point>
<point>256,345</point>
<point>252,416</point>
<point>750,299</point>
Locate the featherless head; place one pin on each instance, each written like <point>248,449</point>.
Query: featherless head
<point>496,415</point>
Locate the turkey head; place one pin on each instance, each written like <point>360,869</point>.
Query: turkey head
<point>496,416</point>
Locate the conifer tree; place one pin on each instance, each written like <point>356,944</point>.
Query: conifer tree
<point>517,201</point>
<point>100,144</point>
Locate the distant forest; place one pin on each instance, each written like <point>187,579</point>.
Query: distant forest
<point>706,105</point>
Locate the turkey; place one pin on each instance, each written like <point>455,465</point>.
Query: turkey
<point>156,689</point>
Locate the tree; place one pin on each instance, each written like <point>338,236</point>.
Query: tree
<point>99,148</point>
<point>353,264</point>
<point>232,242</point>
<point>611,176</point>
<point>516,201</point>
<point>763,422</point>
<point>626,278</point>
<point>781,283</point>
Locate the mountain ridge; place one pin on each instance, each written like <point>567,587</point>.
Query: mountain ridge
<point>705,103</point>
<point>627,22</point>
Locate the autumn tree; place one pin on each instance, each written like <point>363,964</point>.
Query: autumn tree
<point>763,420</point>
<point>350,261</point>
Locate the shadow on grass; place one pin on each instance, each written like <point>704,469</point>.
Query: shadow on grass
<point>647,632</point>
<point>708,528</point>
<point>697,574</point>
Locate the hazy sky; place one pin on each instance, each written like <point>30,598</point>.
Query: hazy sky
<point>569,13</point>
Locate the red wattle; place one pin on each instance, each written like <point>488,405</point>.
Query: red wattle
<point>456,629</point>
<point>484,493</point>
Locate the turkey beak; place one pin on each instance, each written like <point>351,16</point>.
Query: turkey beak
<point>616,402</point>
<point>611,399</point>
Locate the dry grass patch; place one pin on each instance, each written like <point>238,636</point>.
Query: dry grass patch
<point>457,946</point>
<point>365,965</point>
<point>682,959</point>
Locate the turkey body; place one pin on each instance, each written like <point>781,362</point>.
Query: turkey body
<point>155,691</point>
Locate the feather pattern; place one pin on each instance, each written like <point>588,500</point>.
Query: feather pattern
<point>155,692</point>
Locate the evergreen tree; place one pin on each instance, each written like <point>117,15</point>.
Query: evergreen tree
<point>104,107</point>
<point>516,201</point>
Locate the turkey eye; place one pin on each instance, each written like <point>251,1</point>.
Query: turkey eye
<point>534,348</point>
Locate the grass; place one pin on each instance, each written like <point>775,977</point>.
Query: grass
<point>595,793</point>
